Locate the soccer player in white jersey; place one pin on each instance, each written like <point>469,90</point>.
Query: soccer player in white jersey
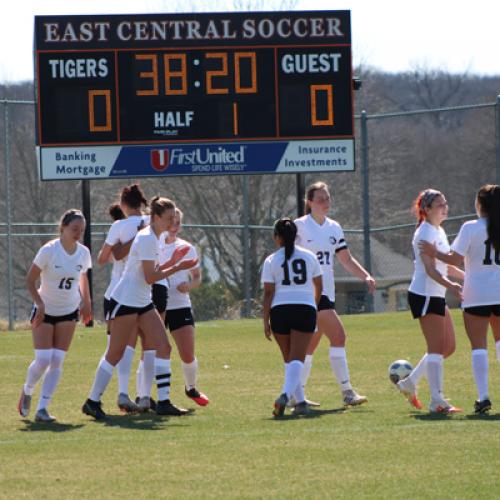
<point>61,266</point>
<point>116,247</point>
<point>325,238</point>
<point>131,305</point>
<point>426,297</point>
<point>291,277</point>
<point>477,247</point>
<point>179,318</point>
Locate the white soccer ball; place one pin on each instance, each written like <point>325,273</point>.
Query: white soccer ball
<point>399,370</point>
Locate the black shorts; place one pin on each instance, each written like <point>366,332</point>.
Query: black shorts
<point>484,311</point>
<point>287,317</point>
<point>122,310</point>
<point>52,320</point>
<point>177,318</point>
<point>325,303</point>
<point>159,295</point>
<point>420,305</point>
<point>106,306</point>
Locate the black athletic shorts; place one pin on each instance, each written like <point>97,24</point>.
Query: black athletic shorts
<point>420,305</point>
<point>122,310</point>
<point>177,318</point>
<point>485,311</point>
<point>159,295</point>
<point>325,303</point>
<point>287,317</point>
<point>52,320</point>
<point>106,306</point>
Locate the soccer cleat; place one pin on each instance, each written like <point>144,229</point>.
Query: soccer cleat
<point>352,398</point>
<point>408,389</point>
<point>280,405</point>
<point>165,407</point>
<point>443,407</point>
<point>94,409</point>
<point>301,409</point>
<point>43,416</point>
<point>152,403</point>
<point>24,404</point>
<point>144,404</point>
<point>126,404</point>
<point>482,406</point>
<point>198,397</point>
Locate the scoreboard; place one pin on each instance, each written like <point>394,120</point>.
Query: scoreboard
<point>193,94</point>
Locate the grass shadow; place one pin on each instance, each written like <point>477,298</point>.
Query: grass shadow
<point>313,413</point>
<point>483,417</point>
<point>143,421</point>
<point>32,426</point>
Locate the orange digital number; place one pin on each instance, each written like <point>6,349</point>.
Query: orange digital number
<point>238,56</point>
<point>328,121</point>
<point>175,74</point>
<point>107,97</point>
<point>216,73</point>
<point>153,74</point>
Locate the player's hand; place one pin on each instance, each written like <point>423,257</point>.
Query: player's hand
<point>187,264</point>
<point>86,312</point>
<point>39,315</point>
<point>456,290</point>
<point>183,287</point>
<point>371,284</point>
<point>427,248</point>
<point>267,332</point>
<point>179,254</point>
<point>142,225</point>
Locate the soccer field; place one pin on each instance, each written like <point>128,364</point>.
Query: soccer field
<point>234,447</point>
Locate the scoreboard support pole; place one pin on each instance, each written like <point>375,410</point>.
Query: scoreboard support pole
<point>87,236</point>
<point>301,193</point>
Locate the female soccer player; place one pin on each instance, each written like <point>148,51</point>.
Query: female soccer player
<point>131,306</point>
<point>291,277</point>
<point>179,318</point>
<point>115,248</point>
<point>61,265</point>
<point>325,238</point>
<point>426,297</point>
<point>477,247</point>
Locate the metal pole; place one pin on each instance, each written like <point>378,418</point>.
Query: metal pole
<point>246,250</point>
<point>10,293</point>
<point>366,203</point>
<point>497,130</point>
<point>87,236</point>
<point>301,191</point>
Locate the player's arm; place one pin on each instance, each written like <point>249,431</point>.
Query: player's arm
<point>31,280</point>
<point>318,288</point>
<point>455,272</point>
<point>194,282</point>
<point>430,269</point>
<point>104,255</point>
<point>353,267</point>
<point>430,250</point>
<point>86,306</point>
<point>266,307</point>
<point>121,250</point>
<point>152,273</point>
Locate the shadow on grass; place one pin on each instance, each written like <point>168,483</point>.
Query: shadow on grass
<point>313,413</point>
<point>143,421</point>
<point>32,426</point>
<point>458,417</point>
<point>483,417</point>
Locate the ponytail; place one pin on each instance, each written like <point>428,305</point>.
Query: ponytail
<point>488,198</point>
<point>133,196</point>
<point>158,205</point>
<point>286,229</point>
<point>424,200</point>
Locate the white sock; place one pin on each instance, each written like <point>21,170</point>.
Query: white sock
<point>51,378</point>
<point>190,371</point>
<point>338,362</point>
<point>36,369</point>
<point>299,393</point>
<point>434,375</point>
<point>102,377</point>
<point>163,373</point>
<point>123,367</point>
<point>148,371</point>
<point>138,379</point>
<point>419,371</point>
<point>480,370</point>
<point>306,371</point>
<point>292,377</point>
<point>497,346</point>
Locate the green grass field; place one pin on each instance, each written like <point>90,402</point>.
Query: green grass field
<point>234,448</point>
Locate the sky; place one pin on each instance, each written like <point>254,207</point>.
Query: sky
<point>391,35</point>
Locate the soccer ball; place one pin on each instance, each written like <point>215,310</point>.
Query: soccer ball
<point>399,370</point>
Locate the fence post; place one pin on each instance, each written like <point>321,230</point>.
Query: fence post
<point>246,250</point>
<point>497,130</point>
<point>9,214</point>
<point>366,205</point>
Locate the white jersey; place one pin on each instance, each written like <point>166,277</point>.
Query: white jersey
<point>176,299</point>
<point>481,264</point>
<point>133,290</point>
<point>422,283</point>
<point>324,240</point>
<point>121,231</point>
<point>293,280</point>
<point>60,276</point>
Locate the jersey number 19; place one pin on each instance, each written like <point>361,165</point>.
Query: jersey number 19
<point>299,270</point>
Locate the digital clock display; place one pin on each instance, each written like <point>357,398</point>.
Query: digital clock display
<point>152,80</point>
